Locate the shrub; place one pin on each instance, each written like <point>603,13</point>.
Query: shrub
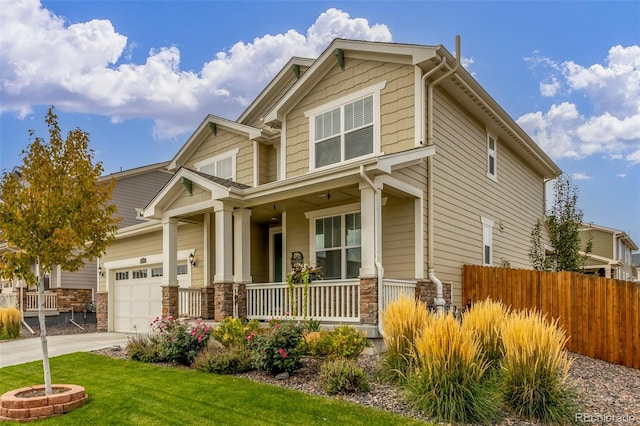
<point>447,383</point>
<point>279,349</point>
<point>223,360</point>
<point>143,348</point>
<point>312,325</point>
<point>403,321</point>
<point>10,319</point>
<point>535,368</point>
<point>177,342</point>
<point>342,376</point>
<point>234,331</point>
<point>343,341</point>
<point>484,321</point>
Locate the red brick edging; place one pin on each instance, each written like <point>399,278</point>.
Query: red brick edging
<point>24,409</point>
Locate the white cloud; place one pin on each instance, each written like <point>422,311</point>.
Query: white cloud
<point>580,176</point>
<point>621,175</point>
<point>45,61</point>
<point>611,90</point>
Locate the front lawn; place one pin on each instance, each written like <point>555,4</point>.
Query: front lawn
<point>134,393</point>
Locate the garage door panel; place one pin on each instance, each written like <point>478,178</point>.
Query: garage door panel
<point>137,303</point>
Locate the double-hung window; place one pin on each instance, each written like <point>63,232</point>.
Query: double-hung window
<point>345,129</point>
<point>338,245</point>
<point>222,166</point>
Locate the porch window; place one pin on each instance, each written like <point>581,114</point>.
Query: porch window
<point>222,166</point>
<point>345,129</point>
<point>337,245</point>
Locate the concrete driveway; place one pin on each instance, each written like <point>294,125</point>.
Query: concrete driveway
<point>25,350</point>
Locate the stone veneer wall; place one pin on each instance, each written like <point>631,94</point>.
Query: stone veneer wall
<point>208,306</point>
<point>102,311</point>
<point>369,300</point>
<point>223,301</point>
<point>78,298</point>
<point>426,291</point>
<point>170,301</point>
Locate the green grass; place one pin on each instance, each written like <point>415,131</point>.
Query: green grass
<point>133,393</point>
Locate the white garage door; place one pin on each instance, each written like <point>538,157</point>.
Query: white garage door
<point>137,299</point>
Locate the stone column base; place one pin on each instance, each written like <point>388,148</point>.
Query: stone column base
<point>207,308</point>
<point>426,291</point>
<point>102,311</point>
<point>223,301</point>
<point>369,300</point>
<point>240,300</point>
<point>170,301</point>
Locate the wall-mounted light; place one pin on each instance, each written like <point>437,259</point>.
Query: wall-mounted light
<point>192,259</point>
<point>296,258</point>
<point>101,271</point>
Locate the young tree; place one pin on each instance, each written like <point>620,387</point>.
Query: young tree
<point>563,226</point>
<point>54,211</point>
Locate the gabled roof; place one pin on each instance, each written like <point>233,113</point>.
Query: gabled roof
<point>136,171</point>
<point>205,129</point>
<point>615,232</point>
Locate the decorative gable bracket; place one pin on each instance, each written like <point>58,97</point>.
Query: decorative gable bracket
<point>339,53</point>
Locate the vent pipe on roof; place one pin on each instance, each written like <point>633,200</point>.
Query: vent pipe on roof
<point>438,301</point>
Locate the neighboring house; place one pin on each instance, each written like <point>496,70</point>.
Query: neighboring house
<point>610,252</point>
<point>134,189</point>
<point>386,164</point>
<point>635,261</point>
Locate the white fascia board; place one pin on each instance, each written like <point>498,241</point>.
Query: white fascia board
<point>139,228</point>
<point>610,262</point>
<point>152,259</point>
<point>390,162</point>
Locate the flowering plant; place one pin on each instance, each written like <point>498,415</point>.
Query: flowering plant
<point>177,341</point>
<point>279,349</point>
<point>302,273</point>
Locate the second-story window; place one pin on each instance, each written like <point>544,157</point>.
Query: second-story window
<point>492,150</point>
<point>222,166</point>
<point>345,129</point>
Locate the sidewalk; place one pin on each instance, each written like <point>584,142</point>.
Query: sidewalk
<point>25,350</point>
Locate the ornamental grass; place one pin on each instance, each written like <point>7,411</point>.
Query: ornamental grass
<point>449,382</point>
<point>485,321</point>
<point>535,368</point>
<point>403,321</point>
<point>10,319</point>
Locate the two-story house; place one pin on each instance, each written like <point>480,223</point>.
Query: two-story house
<point>385,164</point>
<point>611,251</point>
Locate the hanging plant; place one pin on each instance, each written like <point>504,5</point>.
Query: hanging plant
<point>301,273</point>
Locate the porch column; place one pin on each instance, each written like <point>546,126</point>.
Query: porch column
<point>367,233</point>
<point>170,302</point>
<point>208,292</point>
<point>223,278</point>
<point>242,245</point>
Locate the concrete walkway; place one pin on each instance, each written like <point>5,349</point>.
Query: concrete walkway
<point>26,350</point>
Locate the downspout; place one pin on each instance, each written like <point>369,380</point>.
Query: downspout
<point>438,301</point>
<point>377,247</point>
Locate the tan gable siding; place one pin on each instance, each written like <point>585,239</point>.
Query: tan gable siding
<point>268,163</point>
<point>396,107</point>
<point>189,236</point>
<point>398,239</point>
<point>136,191</point>
<point>602,242</point>
<point>463,194</point>
<point>185,199</point>
<point>297,234</point>
<point>222,142</point>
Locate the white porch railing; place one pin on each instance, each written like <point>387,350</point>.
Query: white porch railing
<point>190,302</point>
<point>328,300</point>
<point>50,301</point>
<point>8,300</point>
<point>393,289</point>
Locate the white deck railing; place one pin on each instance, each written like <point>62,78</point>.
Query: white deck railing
<point>393,289</point>
<point>50,301</point>
<point>190,302</point>
<point>8,300</point>
<point>328,300</point>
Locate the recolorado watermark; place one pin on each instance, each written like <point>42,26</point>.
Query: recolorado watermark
<point>605,418</point>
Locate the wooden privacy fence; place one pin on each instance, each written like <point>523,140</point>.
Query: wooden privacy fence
<point>601,316</point>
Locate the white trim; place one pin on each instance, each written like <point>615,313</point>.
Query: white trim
<point>333,211</point>
<point>487,239</point>
<point>152,259</point>
<point>417,108</point>
<point>232,153</point>
<point>419,238</point>
<point>282,175</point>
<point>256,163</point>
<point>272,272</point>
<point>373,91</point>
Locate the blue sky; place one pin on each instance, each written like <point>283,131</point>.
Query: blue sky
<point>139,76</point>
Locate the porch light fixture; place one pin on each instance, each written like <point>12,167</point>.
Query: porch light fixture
<point>192,260</point>
<point>100,271</point>
<point>296,257</point>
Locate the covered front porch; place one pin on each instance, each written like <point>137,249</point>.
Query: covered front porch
<point>250,236</point>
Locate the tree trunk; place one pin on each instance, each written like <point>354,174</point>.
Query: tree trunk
<point>43,336</point>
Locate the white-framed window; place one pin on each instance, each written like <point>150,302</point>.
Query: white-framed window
<point>487,241</point>
<point>222,166</point>
<point>157,272</point>
<point>182,269</point>
<point>122,275</point>
<point>336,242</point>
<point>138,273</point>
<point>492,157</point>
<point>345,129</point>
